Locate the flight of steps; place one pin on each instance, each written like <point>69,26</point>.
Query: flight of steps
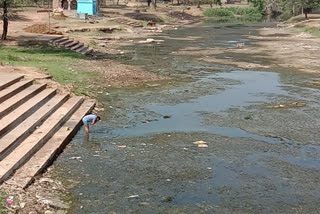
<point>35,125</point>
<point>71,44</point>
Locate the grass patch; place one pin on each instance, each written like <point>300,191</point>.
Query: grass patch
<point>93,44</point>
<point>234,14</point>
<point>3,209</point>
<point>295,19</point>
<point>313,31</point>
<point>54,61</point>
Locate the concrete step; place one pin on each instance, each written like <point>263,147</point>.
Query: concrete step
<point>69,41</point>
<point>22,112</point>
<point>25,175</point>
<point>7,106</point>
<point>77,47</point>
<point>11,140</point>
<point>71,44</point>
<point>56,38</point>
<point>58,41</point>
<point>8,79</point>
<point>14,89</point>
<point>36,140</point>
<point>86,51</point>
<point>82,49</point>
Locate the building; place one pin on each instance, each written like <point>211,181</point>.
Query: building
<point>69,4</point>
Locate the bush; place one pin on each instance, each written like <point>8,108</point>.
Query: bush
<point>285,16</point>
<point>235,14</point>
<point>218,12</point>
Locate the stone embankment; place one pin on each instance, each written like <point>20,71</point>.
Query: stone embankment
<point>35,124</point>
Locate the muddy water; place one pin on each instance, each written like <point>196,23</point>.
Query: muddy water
<point>141,157</point>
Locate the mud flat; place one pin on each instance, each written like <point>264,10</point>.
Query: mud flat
<point>259,142</point>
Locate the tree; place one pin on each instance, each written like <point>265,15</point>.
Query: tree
<point>260,4</point>
<point>304,6</point>
<point>5,4</point>
<point>272,9</point>
<point>154,4</point>
<point>308,5</point>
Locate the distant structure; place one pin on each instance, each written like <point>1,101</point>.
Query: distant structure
<point>65,4</point>
<point>69,4</point>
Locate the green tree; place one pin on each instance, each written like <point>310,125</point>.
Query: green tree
<point>297,6</point>
<point>259,4</point>
<point>308,5</point>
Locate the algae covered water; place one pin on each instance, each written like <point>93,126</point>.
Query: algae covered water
<point>258,129</point>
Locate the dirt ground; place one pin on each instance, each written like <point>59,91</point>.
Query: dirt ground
<point>278,45</point>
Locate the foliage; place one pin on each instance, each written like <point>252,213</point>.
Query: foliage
<point>9,2</point>
<point>285,16</point>
<point>55,61</point>
<point>259,4</point>
<point>294,7</point>
<point>234,14</point>
<point>218,12</point>
<point>3,210</point>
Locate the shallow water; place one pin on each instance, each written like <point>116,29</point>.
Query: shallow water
<point>258,160</point>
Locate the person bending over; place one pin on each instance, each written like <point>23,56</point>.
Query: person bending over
<point>90,119</point>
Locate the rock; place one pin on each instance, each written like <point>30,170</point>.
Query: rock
<point>203,145</point>
<point>199,142</point>
<point>167,199</point>
<point>144,204</point>
<point>48,212</point>
<point>134,196</point>
<point>48,180</point>
<point>56,204</point>
<point>22,205</point>
<point>75,158</point>
<point>146,41</point>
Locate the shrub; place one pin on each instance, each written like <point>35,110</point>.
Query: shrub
<point>218,12</point>
<point>285,16</point>
<point>235,14</point>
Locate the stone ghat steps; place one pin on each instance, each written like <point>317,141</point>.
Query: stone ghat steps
<point>71,44</point>
<point>35,125</point>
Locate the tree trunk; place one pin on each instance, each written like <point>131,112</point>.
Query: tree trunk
<point>154,4</point>
<point>5,20</point>
<point>199,2</point>
<point>293,10</point>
